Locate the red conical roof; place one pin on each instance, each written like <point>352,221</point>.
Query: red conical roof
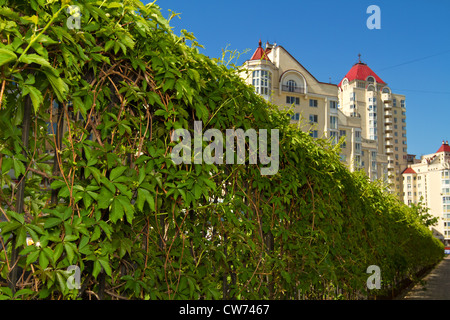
<point>444,147</point>
<point>408,170</point>
<point>360,71</point>
<point>260,54</point>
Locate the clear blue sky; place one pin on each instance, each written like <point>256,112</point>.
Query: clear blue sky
<point>411,51</point>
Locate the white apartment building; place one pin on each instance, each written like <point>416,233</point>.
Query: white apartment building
<point>429,180</point>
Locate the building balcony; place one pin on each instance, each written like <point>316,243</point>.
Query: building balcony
<point>386,97</point>
<point>389,143</point>
<point>389,151</point>
<point>388,128</point>
<point>389,136</point>
<point>387,113</point>
<point>391,166</point>
<point>286,88</point>
<point>387,106</point>
<point>388,121</point>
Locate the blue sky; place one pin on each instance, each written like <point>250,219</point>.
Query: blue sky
<point>411,51</point>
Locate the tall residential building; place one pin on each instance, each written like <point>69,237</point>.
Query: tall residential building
<point>429,181</point>
<point>363,94</point>
<point>361,108</point>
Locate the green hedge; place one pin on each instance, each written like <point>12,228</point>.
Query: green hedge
<point>139,227</point>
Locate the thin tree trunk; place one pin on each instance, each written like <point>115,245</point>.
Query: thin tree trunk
<point>12,277</point>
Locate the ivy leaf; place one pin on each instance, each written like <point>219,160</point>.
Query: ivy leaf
<point>116,172</point>
<point>105,264</point>
<point>104,198</point>
<point>32,257</point>
<point>69,251</point>
<point>59,86</point>
<point>127,208</point>
<point>43,260</point>
<point>34,58</point>
<point>143,196</point>
<point>6,56</point>
<point>51,222</point>
<point>116,212</point>
<point>97,268</point>
<point>35,95</point>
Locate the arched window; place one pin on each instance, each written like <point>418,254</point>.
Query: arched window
<point>371,88</point>
<point>386,90</point>
<point>292,86</point>
<point>370,79</point>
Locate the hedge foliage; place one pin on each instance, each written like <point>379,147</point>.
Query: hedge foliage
<point>113,203</point>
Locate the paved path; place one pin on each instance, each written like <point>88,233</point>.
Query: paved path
<point>435,285</point>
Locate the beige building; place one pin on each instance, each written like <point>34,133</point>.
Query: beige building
<point>361,108</point>
<point>429,180</point>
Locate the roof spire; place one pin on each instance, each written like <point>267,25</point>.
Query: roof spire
<point>359,57</point>
<point>259,43</point>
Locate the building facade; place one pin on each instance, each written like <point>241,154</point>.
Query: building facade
<point>428,181</point>
<point>361,110</point>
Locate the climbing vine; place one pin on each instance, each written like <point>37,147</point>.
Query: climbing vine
<point>86,120</point>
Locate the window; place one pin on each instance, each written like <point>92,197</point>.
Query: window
<point>402,103</point>
<point>262,81</point>
<point>342,133</point>
<point>296,116</point>
<point>357,161</point>
<point>358,147</point>
<point>333,105</point>
<point>313,118</point>
<point>358,135</point>
<point>371,79</point>
<point>333,122</point>
<point>334,137</point>
<point>312,103</point>
<point>394,102</point>
<point>292,100</point>
<point>314,133</point>
<point>352,96</point>
<point>291,85</point>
